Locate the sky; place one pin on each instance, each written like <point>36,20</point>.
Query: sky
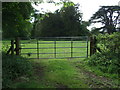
<point>87,7</point>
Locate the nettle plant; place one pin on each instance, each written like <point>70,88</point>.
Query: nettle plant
<point>108,59</point>
<point>109,42</point>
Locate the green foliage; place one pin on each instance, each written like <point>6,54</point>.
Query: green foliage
<point>16,17</point>
<point>64,22</point>
<point>108,59</point>
<point>109,42</point>
<point>107,62</point>
<point>14,67</point>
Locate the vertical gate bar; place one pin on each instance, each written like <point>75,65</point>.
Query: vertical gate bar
<point>71,48</point>
<point>87,46</point>
<point>37,49</point>
<point>55,48</point>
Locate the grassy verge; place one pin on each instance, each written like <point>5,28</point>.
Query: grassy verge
<point>54,74</point>
<point>96,77</point>
<point>63,73</point>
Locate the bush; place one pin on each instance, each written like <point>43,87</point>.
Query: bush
<point>14,67</point>
<point>105,62</point>
<point>110,42</point>
<point>108,59</point>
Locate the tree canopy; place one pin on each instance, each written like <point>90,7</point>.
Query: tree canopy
<point>67,21</point>
<point>15,19</point>
<point>108,16</point>
<point>64,22</point>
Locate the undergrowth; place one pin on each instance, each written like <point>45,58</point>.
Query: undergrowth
<point>14,67</point>
<point>106,62</point>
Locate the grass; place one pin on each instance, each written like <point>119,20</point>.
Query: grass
<point>66,74</point>
<point>63,52</point>
<point>58,73</point>
<point>112,79</point>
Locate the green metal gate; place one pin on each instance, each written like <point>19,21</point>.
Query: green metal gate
<point>55,47</point>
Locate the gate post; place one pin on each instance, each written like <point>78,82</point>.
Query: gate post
<point>12,47</point>
<point>87,46</point>
<point>17,43</point>
<point>92,45</point>
<point>94,48</point>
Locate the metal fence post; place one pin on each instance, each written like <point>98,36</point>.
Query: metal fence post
<point>55,48</point>
<point>71,48</point>
<point>37,48</point>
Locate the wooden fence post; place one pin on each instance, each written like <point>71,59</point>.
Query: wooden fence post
<point>17,43</point>
<point>92,45</point>
<point>87,47</point>
<point>12,47</point>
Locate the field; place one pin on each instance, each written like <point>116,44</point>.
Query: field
<point>52,49</point>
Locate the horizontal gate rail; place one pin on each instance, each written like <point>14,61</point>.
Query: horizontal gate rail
<point>53,42</point>
<point>53,53</point>
<point>28,48</point>
<point>52,47</point>
<point>59,58</point>
<point>59,42</point>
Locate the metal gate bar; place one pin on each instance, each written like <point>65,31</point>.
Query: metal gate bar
<point>37,49</point>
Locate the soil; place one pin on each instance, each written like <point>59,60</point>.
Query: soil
<point>38,71</point>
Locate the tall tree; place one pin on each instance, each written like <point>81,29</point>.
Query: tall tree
<point>109,17</point>
<point>51,25</point>
<point>72,18</point>
<point>64,22</point>
<point>16,19</point>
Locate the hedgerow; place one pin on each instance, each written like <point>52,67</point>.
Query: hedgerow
<point>14,67</point>
<point>108,60</point>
